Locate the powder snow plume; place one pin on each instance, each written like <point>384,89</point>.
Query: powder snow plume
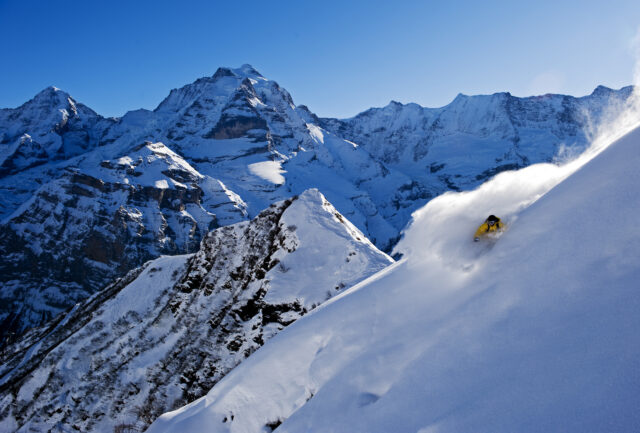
<point>441,230</point>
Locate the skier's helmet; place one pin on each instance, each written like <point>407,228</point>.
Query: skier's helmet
<point>492,220</point>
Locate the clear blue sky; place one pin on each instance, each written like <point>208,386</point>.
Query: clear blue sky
<point>337,57</point>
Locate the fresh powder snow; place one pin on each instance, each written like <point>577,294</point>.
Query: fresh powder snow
<point>537,332</point>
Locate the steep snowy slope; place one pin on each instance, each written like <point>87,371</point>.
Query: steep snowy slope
<point>167,332</point>
<point>538,333</point>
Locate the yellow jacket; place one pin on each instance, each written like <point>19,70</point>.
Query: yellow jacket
<point>485,229</point>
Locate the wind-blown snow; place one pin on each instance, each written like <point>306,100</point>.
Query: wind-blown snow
<point>538,333</point>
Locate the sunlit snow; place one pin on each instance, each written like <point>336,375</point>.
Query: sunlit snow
<point>270,171</point>
<point>535,333</point>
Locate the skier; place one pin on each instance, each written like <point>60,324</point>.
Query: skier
<point>491,225</point>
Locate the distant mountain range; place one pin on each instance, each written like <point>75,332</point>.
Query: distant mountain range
<point>85,199</point>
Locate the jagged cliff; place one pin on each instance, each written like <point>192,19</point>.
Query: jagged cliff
<point>164,334</point>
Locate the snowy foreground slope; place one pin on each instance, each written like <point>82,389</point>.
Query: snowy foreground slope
<point>167,332</point>
<point>538,333</point>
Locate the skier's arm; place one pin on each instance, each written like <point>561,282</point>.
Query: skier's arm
<point>482,230</point>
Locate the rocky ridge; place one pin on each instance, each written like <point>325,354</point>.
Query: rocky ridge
<point>164,334</point>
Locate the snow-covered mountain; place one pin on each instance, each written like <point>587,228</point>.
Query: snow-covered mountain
<point>153,182</point>
<point>164,334</point>
<point>51,126</point>
<point>97,220</point>
<point>84,199</point>
<point>537,332</point>
<point>461,145</point>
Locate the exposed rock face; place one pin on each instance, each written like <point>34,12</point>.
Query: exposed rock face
<point>88,227</point>
<point>167,332</point>
<point>83,199</point>
<point>235,127</point>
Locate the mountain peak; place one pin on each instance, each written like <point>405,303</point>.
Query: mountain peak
<point>602,91</point>
<point>225,81</point>
<point>247,70</point>
<point>393,105</point>
<point>223,72</point>
<point>244,71</point>
<point>52,93</point>
<point>460,97</point>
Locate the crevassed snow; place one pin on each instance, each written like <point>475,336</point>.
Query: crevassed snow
<point>538,333</point>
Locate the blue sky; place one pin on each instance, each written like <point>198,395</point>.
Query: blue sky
<point>337,57</point>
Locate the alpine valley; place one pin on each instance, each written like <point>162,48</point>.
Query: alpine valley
<point>144,257</point>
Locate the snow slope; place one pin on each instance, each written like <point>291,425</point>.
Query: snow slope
<point>166,333</point>
<point>538,332</point>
